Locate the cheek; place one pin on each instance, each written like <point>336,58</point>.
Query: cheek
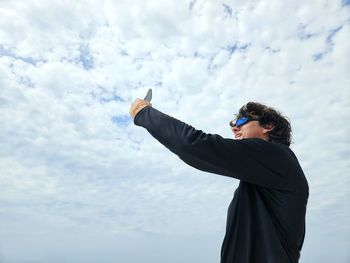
<point>251,132</point>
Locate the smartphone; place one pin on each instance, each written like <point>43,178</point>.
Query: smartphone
<point>148,95</point>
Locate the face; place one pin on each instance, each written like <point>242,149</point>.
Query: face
<point>251,129</point>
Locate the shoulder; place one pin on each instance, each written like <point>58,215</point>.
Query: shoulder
<point>281,159</point>
<point>276,154</point>
<point>264,146</point>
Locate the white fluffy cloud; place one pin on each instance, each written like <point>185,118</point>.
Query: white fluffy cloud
<point>75,169</point>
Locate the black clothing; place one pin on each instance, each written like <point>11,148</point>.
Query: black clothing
<point>266,218</point>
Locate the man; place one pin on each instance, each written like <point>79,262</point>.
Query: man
<point>266,218</point>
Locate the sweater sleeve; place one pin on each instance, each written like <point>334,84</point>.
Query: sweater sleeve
<point>252,160</point>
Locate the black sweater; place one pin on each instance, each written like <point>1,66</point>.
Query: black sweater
<point>266,218</point>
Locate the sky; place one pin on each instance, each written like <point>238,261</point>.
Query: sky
<point>80,182</point>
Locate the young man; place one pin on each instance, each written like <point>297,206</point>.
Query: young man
<point>266,218</point>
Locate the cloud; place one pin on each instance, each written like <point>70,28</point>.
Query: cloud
<point>75,169</point>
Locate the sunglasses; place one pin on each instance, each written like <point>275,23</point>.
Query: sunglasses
<point>241,121</point>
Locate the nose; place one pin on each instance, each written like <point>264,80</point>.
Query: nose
<point>235,129</point>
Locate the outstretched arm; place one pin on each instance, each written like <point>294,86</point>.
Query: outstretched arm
<point>252,160</point>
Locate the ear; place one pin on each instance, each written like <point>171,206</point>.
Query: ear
<point>267,128</point>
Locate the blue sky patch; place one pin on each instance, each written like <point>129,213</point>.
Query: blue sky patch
<point>192,4</point>
<point>272,50</point>
<point>122,120</point>
<point>227,10</point>
<point>345,2</point>
<point>332,34</point>
<point>8,53</point>
<point>329,44</point>
<point>235,47</point>
<point>303,34</point>
<point>103,95</point>
<point>317,56</point>
<point>25,80</point>
<point>114,97</point>
<point>86,57</point>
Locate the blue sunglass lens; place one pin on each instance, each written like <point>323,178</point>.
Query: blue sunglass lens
<point>241,121</point>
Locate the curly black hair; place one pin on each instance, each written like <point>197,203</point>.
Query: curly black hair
<point>282,131</point>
